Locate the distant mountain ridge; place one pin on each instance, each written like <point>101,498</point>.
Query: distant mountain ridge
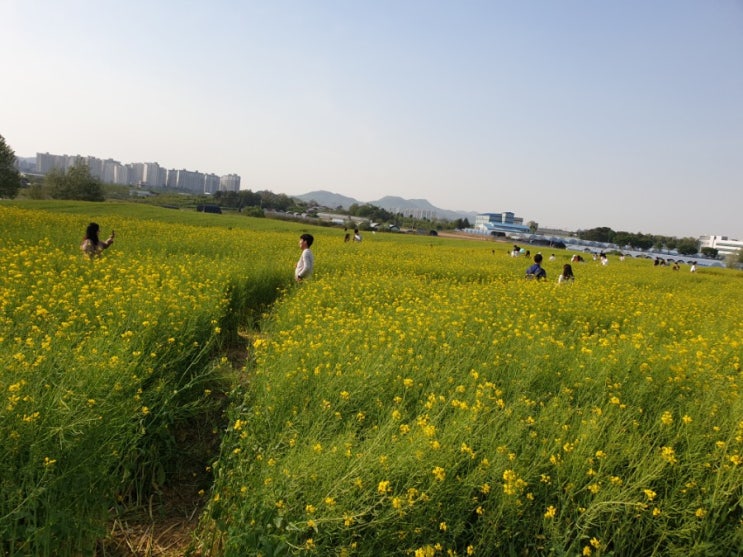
<point>388,203</point>
<point>327,199</point>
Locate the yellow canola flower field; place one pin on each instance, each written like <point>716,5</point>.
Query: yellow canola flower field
<point>104,361</point>
<point>415,396</point>
<point>420,397</point>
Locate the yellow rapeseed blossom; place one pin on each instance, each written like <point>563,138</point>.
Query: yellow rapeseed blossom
<point>403,355</point>
<point>512,484</point>
<point>668,454</point>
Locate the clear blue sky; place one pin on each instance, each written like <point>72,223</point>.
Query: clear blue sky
<point>571,113</point>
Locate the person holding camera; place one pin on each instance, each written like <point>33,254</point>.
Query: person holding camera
<point>91,245</point>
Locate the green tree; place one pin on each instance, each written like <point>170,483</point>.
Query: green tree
<point>76,183</point>
<point>371,212</point>
<point>709,252</point>
<point>10,178</point>
<point>533,226</point>
<point>639,240</point>
<point>226,198</point>
<point>280,201</point>
<point>600,234</point>
<point>253,211</point>
<point>671,243</point>
<point>658,242</point>
<point>623,238</point>
<point>688,246</point>
<point>735,260</point>
<point>249,198</point>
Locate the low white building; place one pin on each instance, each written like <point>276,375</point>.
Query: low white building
<point>500,222</point>
<point>723,244</point>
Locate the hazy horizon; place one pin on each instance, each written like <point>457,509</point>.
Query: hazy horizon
<point>574,114</point>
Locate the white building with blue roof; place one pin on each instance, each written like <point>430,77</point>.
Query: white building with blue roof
<point>500,222</point>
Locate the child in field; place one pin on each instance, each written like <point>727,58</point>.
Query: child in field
<point>567,274</point>
<point>307,260</point>
<point>536,271</point>
<point>91,245</point>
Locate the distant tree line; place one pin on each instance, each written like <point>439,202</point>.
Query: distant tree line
<point>261,199</point>
<point>400,219</point>
<point>75,183</point>
<point>371,212</point>
<point>640,241</point>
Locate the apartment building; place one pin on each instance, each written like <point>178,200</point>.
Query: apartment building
<point>211,183</point>
<point>140,174</point>
<point>229,182</point>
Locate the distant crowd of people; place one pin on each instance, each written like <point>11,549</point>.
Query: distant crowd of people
<point>660,262</point>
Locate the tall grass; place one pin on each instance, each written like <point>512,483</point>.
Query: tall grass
<point>106,363</point>
<point>422,398</point>
<point>417,396</point>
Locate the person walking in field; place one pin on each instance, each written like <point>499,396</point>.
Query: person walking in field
<point>91,245</point>
<point>306,261</point>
